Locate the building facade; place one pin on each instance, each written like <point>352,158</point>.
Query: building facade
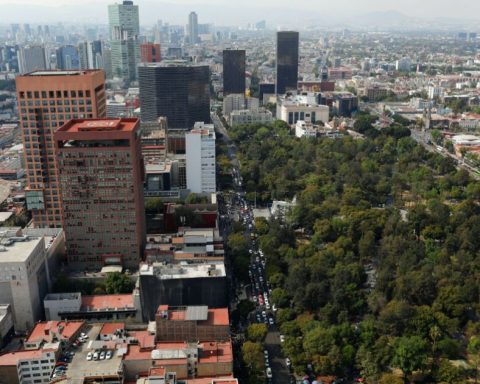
<point>233,71</point>
<point>193,28</point>
<point>31,58</point>
<point>200,149</point>
<point>150,53</point>
<point>124,34</point>
<point>101,182</point>
<point>287,61</point>
<point>175,90</point>
<point>48,99</point>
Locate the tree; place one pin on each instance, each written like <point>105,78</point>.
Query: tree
<point>252,354</point>
<point>474,353</point>
<point>257,332</point>
<point>410,355</point>
<point>117,283</point>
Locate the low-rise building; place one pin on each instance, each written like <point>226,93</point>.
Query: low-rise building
<point>245,116</point>
<point>305,106</point>
<point>27,367</point>
<point>192,323</point>
<point>92,308</point>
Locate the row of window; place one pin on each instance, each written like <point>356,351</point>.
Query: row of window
<point>53,94</point>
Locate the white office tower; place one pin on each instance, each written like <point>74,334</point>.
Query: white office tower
<point>200,151</point>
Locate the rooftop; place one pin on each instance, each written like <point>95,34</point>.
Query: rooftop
<point>100,125</point>
<point>61,73</point>
<point>13,358</point>
<point>102,302</point>
<point>17,249</point>
<point>65,330</point>
<point>183,271</point>
<point>110,328</point>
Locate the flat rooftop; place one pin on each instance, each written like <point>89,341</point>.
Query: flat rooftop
<point>62,73</point>
<point>100,125</point>
<point>183,271</point>
<point>17,251</point>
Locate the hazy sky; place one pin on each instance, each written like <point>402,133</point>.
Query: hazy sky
<point>222,12</point>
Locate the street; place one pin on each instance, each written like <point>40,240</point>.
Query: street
<point>258,290</point>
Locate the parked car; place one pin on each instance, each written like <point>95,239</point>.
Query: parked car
<point>102,355</point>
<point>108,355</point>
<point>96,355</point>
<point>89,356</point>
<point>269,373</point>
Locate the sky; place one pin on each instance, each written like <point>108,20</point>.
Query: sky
<point>231,12</point>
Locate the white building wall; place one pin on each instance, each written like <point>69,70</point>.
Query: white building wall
<point>200,154</point>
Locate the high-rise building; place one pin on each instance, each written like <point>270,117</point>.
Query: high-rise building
<point>67,57</point>
<point>193,28</point>
<point>91,55</point>
<point>287,61</point>
<point>47,99</point>
<point>124,34</point>
<point>176,90</point>
<point>233,71</point>
<point>200,150</point>
<point>100,174</point>
<point>31,58</point>
<point>150,53</point>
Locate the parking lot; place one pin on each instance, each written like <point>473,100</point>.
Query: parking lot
<point>80,367</point>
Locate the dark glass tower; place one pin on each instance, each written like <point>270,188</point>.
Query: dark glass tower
<point>233,71</point>
<point>287,61</point>
<point>175,90</point>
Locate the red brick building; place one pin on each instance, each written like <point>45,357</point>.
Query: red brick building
<point>150,53</point>
<point>46,100</point>
<point>101,183</point>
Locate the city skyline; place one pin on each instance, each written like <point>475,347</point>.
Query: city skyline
<point>282,11</point>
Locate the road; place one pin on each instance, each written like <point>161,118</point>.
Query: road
<point>235,206</point>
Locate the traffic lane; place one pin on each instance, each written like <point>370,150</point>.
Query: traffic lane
<point>280,370</point>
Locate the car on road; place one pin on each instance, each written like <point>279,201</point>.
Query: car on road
<point>274,308</point>
<point>269,373</point>
<point>89,356</point>
<point>288,362</point>
<point>282,339</point>
<point>265,352</point>
<point>267,305</point>
<point>270,321</point>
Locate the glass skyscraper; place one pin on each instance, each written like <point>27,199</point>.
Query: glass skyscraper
<point>233,71</point>
<point>287,61</point>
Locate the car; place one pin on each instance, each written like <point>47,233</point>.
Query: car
<point>270,321</point>
<point>267,363</point>
<point>265,352</point>
<point>269,373</point>
<point>282,339</point>
<point>84,335</point>
<point>108,355</point>
<point>89,356</point>
<point>264,314</point>
<point>288,362</point>
<point>96,355</point>
<point>267,305</point>
<point>255,299</point>
<point>102,355</point>
<point>274,308</point>
<point>259,318</point>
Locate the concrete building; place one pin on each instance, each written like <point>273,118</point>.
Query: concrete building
<point>150,53</point>
<point>31,58</point>
<point>124,25</point>
<point>60,96</point>
<point>198,245</point>
<point>341,73</point>
<point>6,324</point>
<point>101,182</point>
<point>91,55</point>
<point>287,61</point>
<point>193,28</point>
<point>201,163</point>
<point>176,90</point>
<point>94,308</point>
<point>259,116</point>
<point>24,276</point>
<point>403,65</point>
<point>233,102</point>
<point>182,285</point>
<point>305,107</point>
<point>28,366</point>
<point>233,72</point>
<point>198,323</point>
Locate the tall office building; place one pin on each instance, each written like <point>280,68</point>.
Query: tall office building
<point>67,57</point>
<point>200,150</point>
<point>91,55</point>
<point>287,61</point>
<point>150,53</point>
<point>233,71</point>
<point>100,174</point>
<point>31,58</point>
<point>193,28</point>
<point>47,99</point>
<point>124,35</point>
<point>175,90</point>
